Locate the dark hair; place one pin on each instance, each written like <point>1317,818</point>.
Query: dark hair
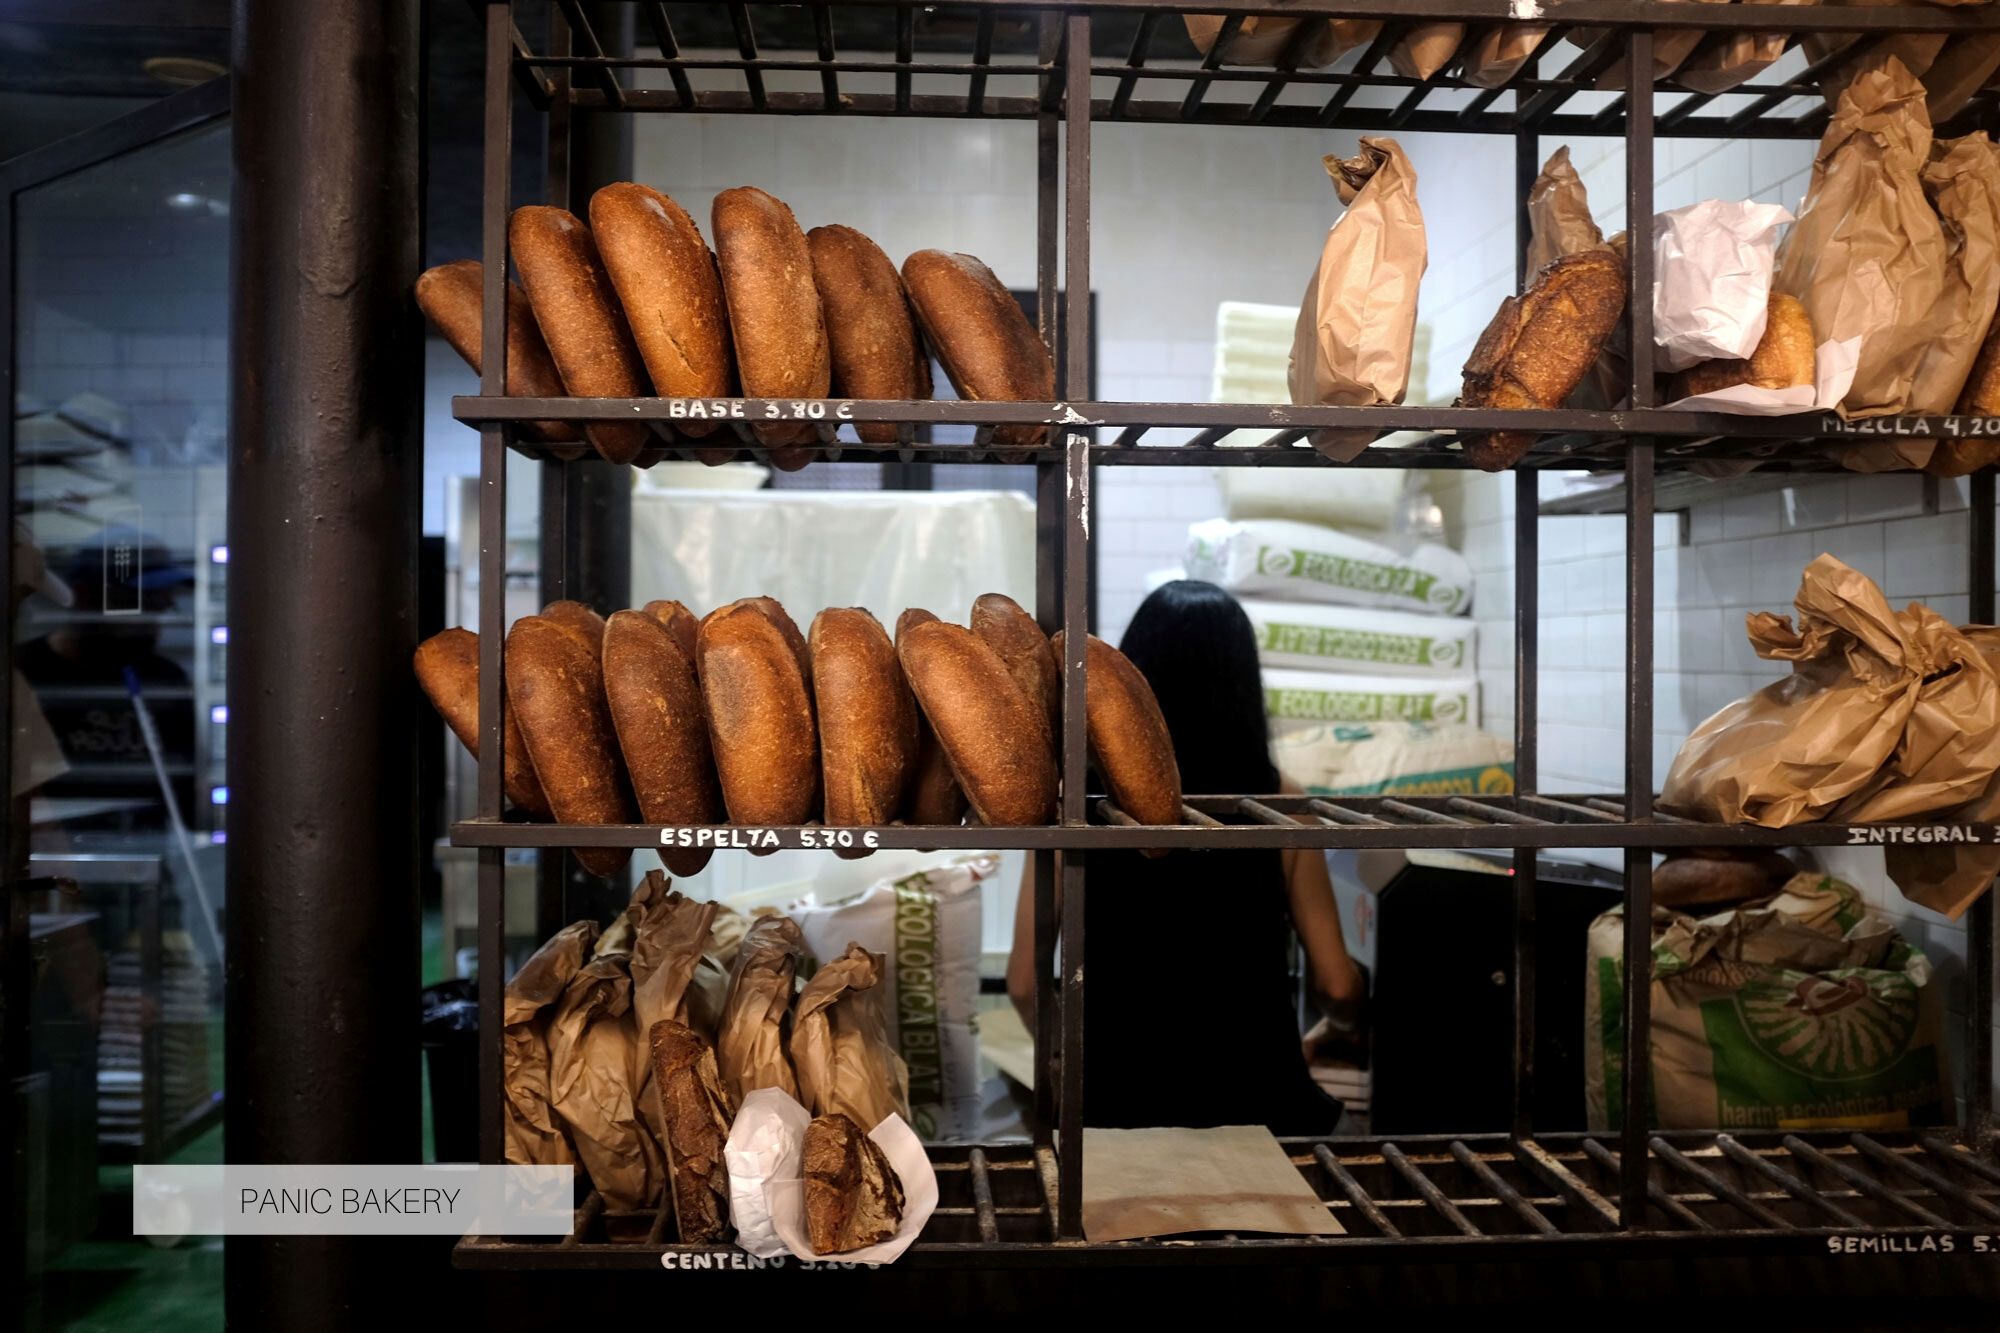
<point>1195,647</point>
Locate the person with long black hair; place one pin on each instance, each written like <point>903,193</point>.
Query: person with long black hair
<point>1190,1019</point>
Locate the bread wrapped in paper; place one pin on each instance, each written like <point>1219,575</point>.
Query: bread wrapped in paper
<point>750,1042</point>
<point>1492,58</point>
<point>695,1113</point>
<point>1733,58</point>
<point>1426,49</point>
<point>597,1063</point>
<point>1312,43</point>
<point>840,1044</point>
<point>534,1135</point>
<point>853,1196</point>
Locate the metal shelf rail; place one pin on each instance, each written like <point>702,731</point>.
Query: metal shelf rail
<point>1022,1205</point>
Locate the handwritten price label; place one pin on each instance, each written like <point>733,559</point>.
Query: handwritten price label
<point>735,409</point>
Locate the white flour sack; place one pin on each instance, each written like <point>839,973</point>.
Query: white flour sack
<point>1321,696</point>
<point>1320,637</point>
<point>927,924</point>
<point>1279,558</point>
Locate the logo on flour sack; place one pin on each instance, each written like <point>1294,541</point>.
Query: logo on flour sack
<point>1445,652</point>
<point>1843,1024</point>
<point>1449,708</point>
<point>1444,594</point>
<point>1276,560</point>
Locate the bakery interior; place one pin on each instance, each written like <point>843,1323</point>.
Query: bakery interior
<point>820,314</point>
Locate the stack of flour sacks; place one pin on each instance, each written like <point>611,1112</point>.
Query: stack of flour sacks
<point>1362,633</point>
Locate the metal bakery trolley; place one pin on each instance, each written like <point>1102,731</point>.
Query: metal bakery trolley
<point>1480,1196</point>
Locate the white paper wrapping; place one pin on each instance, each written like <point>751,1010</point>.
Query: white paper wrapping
<point>1323,696</point>
<point>1833,372</point>
<point>1319,637</point>
<point>1280,558</point>
<point>1712,265</point>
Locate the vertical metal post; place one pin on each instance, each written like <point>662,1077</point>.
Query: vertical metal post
<point>1527,584</point>
<point>325,489</point>
<point>1051,510</point>
<point>1979,925</point>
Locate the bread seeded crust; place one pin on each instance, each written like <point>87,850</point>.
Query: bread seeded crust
<point>453,297</point>
<point>656,709</point>
<point>760,718</point>
<point>854,1197</point>
<point>1129,740</point>
<point>580,319</point>
<point>991,732</point>
<point>447,666</point>
<point>933,795</point>
<point>876,349</point>
<point>557,688</point>
<point>1784,357</point>
<point>867,718</point>
<point>987,347</point>
<point>1030,658</point>
<point>1539,346</point>
<point>774,311</point>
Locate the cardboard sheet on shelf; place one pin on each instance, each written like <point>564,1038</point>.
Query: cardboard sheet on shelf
<point>1170,1182</point>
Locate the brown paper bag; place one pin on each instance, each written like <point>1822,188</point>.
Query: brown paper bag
<point>597,1062</point>
<point>1960,70</point>
<point>750,1045</point>
<point>1944,876</point>
<point>1867,255</point>
<point>1559,223</point>
<point>840,1043</point>
<point>1671,47</point>
<point>1962,181</point>
<point>1359,315</point>
<point>1737,58</point>
<point>533,1134</point>
<point>1914,50</point>
<point>1426,49</point>
<point>1262,39</point>
<point>1496,55</point>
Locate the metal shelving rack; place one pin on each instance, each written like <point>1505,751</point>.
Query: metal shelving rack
<point>1488,1196</point>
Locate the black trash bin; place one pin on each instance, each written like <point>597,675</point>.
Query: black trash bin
<point>451,1052</point>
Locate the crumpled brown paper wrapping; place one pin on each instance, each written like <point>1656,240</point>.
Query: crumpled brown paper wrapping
<point>750,1042</point>
<point>596,1059</point>
<point>840,1043</point>
<point>1426,49</point>
<point>533,1134</point>
<point>1671,47</point>
<point>1887,715</point>
<point>1733,59</point>
<point>1493,57</point>
<point>1358,318</point>
<point>1262,39</point>
<point>1917,51</point>
<point>1962,181</point>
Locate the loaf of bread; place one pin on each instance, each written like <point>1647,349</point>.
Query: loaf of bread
<point>448,668</point>
<point>1957,456</point>
<point>760,717</point>
<point>662,726</point>
<point>556,685</point>
<point>680,622</point>
<point>994,736</point>
<point>854,1197</point>
<point>1539,345</point>
<point>774,312</point>
<point>580,319</point>
<point>867,718</point>
<point>933,795</point>
<point>877,352</point>
<point>579,620</point>
<point>667,281</point>
<point>1709,876</point>
<point>1030,658</point>
<point>696,1113</point>
<point>453,297</point>
<point>987,347</point>
<point>1784,358</point>
<point>1129,741</point>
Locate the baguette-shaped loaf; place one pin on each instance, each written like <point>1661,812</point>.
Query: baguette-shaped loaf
<point>992,733</point>
<point>760,717</point>
<point>580,319</point>
<point>453,297</point>
<point>1539,346</point>
<point>877,351</point>
<point>986,345</point>
<point>933,796</point>
<point>579,620</point>
<point>867,718</point>
<point>1030,658</point>
<point>1783,359</point>
<point>696,1112</point>
<point>656,707</point>
<point>557,688</point>
<point>774,311</point>
<point>1129,741</point>
<point>448,668</point>
<point>854,1198</point>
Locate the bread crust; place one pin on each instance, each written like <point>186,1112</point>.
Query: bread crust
<point>579,620</point>
<point>580,319</point>
<point>1784,357</point>
<point>991,732</point>
<point>854,1197</point>
<point>1029,656</point>
<point>867,718</point>
<point>933,795</point>
<point>987,347</point>
<point>453,297</point>
<point>662,726</point>
<point>557,688</point>
<point>696,1113</point>
<point>1129,740</point>
<point>1539,345</point>
<point>1703,876</point>
<point>680,622</point>
<point>447,666</point>
<point>760,718</point>
<point>872,332</point>
<point>774,312</point>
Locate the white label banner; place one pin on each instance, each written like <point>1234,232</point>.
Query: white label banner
<point>444,1199</point>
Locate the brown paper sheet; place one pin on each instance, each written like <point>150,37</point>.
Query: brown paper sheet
<point>1358,319</point>
<point>750,1041</point>
<point>533,1134</point>
<point>1262,39</point>
<point>1493,57</point>
<point>1169,1182</point>
<point>1962,181</point>
<point>840,1043</point>
<point>597,1059</point>
<point>1735,59</point>
<point>1426,49</point>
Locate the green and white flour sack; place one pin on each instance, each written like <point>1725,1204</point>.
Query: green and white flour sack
<point>1280,558</point>
<point>927,925</point>
<point>1798,1011</point>
<point>1319,637</point>
<point>1320,696</point>
<point>1392,759</point>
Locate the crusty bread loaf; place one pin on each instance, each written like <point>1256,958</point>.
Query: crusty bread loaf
<point>1709,876</point>
<point>774,312</point>
<point>1129,741</point>
<point>854,1197</point>
<point>867,718</point>
<point>992,733</point>
<point>557,688</point>
<point>696,1114</point>
<point>1030,658</point>
<point>453,297</point>
<point>1783,359</point>
<point>933,795</point>
<point>680,622</point>
<point>580,319</point>
<point>667,281</point>
<point>986,345</point>
<point>760,718</point>
<point>656,708</point>
<point>877,351</point>
<point>1539,345</point>
<point>579,620</point>
<point>448,668</point>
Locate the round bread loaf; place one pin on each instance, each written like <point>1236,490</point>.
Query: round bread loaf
<point>656,709</point>
<point>990,730</point>
<point>933,795</point>
<point>1030,658</point>
<point>1129,741</point>
<point>453,297</point>
<point>1785,356</point>
<point>876,349</point>
<point>579,317</point>
<point>557,688</point>
<point>680,622</point>
<point>667,281</point>
<point>986,345</point>
<point>1709,876</point>
<point>448,668</point>
<point>760,718</point>
<point>579,620</point>
<point>774,312</point>
<point>867,718</point>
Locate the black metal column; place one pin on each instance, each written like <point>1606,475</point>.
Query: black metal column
<point>324,487</point>
<point>1527,584</point>
<point>1979,923</point>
